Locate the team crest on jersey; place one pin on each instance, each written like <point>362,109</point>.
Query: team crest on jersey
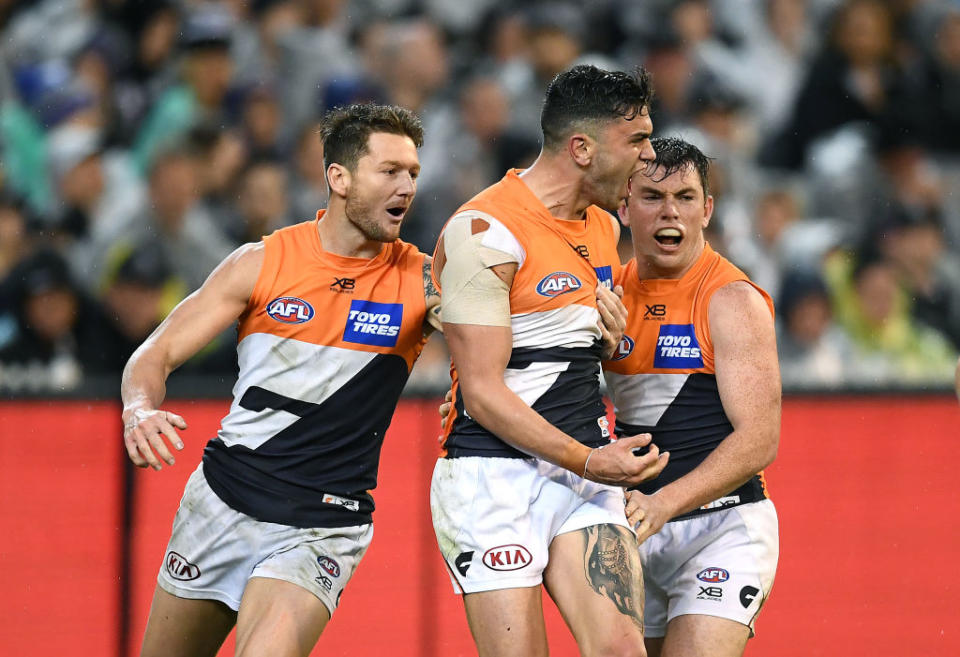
<point>605,276</point>
<point>290,310</point>
<point>624,349</point>
<point>677,347</point>
<point>372,323</point>
<point>557,283</point>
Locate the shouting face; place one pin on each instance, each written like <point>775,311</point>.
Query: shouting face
<point>667,216</point>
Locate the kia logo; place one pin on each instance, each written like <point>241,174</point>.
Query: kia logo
<point>507,557</point>
<point>179,568</point>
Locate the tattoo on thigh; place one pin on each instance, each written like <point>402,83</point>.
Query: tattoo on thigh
<point>613,568</point>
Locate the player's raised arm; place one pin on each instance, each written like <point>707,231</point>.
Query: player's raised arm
<point>748,382</point>
<point>190,326</point>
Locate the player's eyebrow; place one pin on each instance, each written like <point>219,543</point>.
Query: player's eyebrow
<point>397,163</point>
<point>689,189</point>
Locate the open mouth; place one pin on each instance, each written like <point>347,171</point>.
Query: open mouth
<point>668,237</point>
<point>397,210</point>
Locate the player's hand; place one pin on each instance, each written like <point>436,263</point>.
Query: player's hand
<point>444,411</point>
<point>613,318</point>
<point>646,513</point>
<point>146,433</point>
<point>617,464</point>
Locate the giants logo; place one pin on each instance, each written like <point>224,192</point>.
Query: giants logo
<point>290,310</point>
<point>506,557</point>
<point>179,568</point>
<point>713,575</point>
<point>624,349</point>
<point>557,283</point>
<point>329,565</point>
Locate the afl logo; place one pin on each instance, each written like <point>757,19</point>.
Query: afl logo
<point>290,310</point>
<point>329,565</point>
<point>507,557</point>
<point>624,349</point>
<point>713,575</point>
<point>557,283</point>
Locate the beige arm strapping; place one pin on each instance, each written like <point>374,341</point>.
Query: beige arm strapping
<point>472,293</point>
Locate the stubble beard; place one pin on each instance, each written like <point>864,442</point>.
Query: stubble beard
<point>359,213</point>
<point>606,188</point>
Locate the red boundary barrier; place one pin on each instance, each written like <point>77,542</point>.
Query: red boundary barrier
<point>865,488</point>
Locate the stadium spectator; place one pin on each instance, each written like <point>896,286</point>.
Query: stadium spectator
<point>891,346</point>
<point>308,183</point>
<point>152,28</point>
<point>60,333</point>
<point>262,203</point>
<point>814,350</point>
<point>98,194</point>
<point>221,154</point>
<point>191,240</point>
<point>913,242</point>
<point>480,145</point>
<point>311,42</point>
<point>206,74</point>
<point>853,95</point>
<point>854,79</point>
<point>554,35</point>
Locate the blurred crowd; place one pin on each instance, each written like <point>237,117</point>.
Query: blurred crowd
<point>143,140</point>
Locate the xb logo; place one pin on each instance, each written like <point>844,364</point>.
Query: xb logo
<point>656,310</point>
<point>582,250</point>
<point>343,284</point>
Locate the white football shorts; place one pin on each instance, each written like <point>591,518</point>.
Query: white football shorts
<point>717,564</point>
<point>214,550</point>
<point>496,517</point>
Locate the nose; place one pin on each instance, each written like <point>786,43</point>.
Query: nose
<point>670,209</point>
<point>647,154</point>
<point>407,186</point>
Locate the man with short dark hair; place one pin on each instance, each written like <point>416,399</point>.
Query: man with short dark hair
<point>529,489</point>
<point>697,368</point>
<point>332,315</point>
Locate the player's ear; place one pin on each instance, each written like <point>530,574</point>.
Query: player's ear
<point>707,211</point>
<point>581,147</point>
<point>338,179</point>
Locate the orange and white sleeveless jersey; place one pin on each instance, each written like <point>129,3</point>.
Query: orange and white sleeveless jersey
<point>326,344</point>
<point>554,364</point>
<point>662,379</point>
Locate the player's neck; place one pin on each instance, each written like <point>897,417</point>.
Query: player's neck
<point>339,236</point>
<point>557,185</point>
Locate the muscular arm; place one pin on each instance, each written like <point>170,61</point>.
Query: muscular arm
<point>748,379</point>
<point>432,320</point>
<point>190,326</point>
<point>481,354</point>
